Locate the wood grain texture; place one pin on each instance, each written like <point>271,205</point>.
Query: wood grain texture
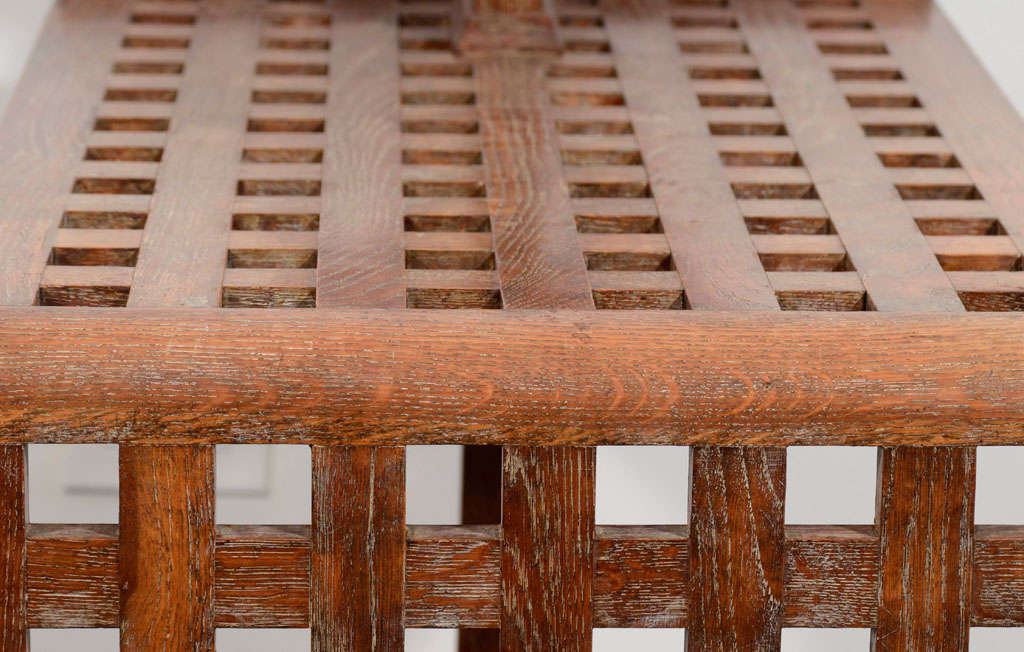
<point>737,548</point>
<point>454,576</point>
<point>44,131</point>
<point>884,244</point>
<point>998,576</point>
<point>698,211</point>
<point>73,576</point>
<point>361,258</point>
<point>537,252</point>
<point>13,550</point>
<point>184,245</point>
<point>547,548</point>
<point>831,576</point>
<point>923,577</point>
<point>547,497</point>
<point>606,378</point>
<point>167,547</point>
<point>357,564</point>
<point>453,579</point>
<point>956,91</point>
<point>926,530</point>
<point>641,576</point>
<point>262,585</point>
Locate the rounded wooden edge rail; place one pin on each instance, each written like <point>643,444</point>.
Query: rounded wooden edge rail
<point>524,378</point>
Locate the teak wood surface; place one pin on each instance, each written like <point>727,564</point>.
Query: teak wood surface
<point>736,225</point>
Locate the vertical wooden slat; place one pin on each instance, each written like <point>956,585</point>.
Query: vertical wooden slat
<point>361,257</point>
<point>547,558</point>
<point>712,251</point>
<point>167,547</point>
<point>13,619</point>
<point>899,272</point>
<point>926,534</point>
<point>548,493</point>
<point>737,548</point>
<point>357,567</point>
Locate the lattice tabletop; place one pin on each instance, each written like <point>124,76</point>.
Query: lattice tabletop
<point>750,156</point>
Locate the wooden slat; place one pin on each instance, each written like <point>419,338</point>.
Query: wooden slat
<point>167,547</point>
<point>698,212</point>
<point>640,576</point>
<point>357,567</point>
<point>361,258</point>
<point>926,529</point>
<point>737,548</point>
<point>184,245</point>
<point>547,548</point>
<point>13,550</point>
<point>538,257</point>
<point>43,134</point>
<point>546,594</point>
<point>998,580</point>
<point>884,244</point>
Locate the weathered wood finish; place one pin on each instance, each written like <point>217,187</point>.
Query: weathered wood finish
<point>547,496</point>
<point>547,548</point>
<point>362,189</point>
<point>737,548</point>
<point>453,576</point>
<point>167,547</point>
<point>714,256</point>
<point>932,379</point>
<point>13,550</point>
<point>735,159</point>
<point>357,567</point>
<point>926,530</point>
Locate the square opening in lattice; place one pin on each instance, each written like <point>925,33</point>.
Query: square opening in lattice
<point>72,483</point>
<point>834,640</point>
<point>999,486</point>
<point>830,484</point>
<point>642,485</point>
<point>996,639</point>
<point>80,640</point>
<point>431,640</point>
<point>649,640</point>
<point>268,484</point>
<point>433,481</point>
<point>262,640</point>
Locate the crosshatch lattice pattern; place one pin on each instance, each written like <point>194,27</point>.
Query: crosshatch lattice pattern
<point>726,155</point>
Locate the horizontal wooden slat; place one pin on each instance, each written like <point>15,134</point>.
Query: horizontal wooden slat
<point>262,576</point>
<point>371,377</point>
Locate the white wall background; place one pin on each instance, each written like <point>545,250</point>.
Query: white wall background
<point>635,485</point>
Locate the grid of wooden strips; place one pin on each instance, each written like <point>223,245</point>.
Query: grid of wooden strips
<point>729,155</point>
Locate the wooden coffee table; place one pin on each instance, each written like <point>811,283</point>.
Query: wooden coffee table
<point>736,225</point>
